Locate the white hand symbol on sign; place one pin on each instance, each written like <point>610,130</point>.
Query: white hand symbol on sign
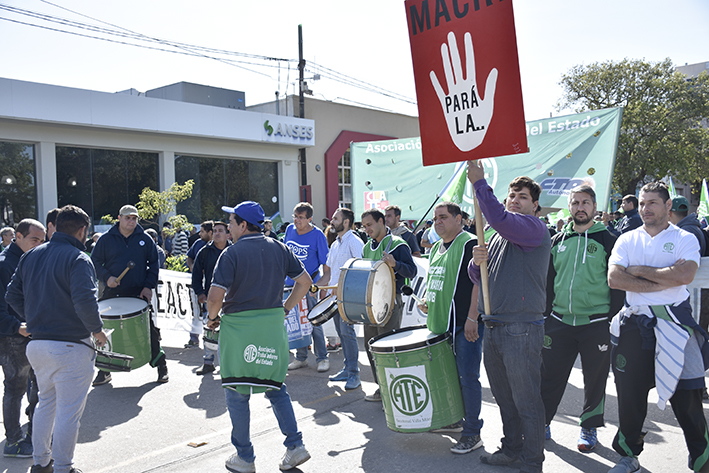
<point>467,114</point>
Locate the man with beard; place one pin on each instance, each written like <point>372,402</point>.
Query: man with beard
<point>392,216</point>
<point>347,245</point>
<point>657,342</point>
<point>579,305</point>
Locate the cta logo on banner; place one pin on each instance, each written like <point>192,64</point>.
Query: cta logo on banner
<point>467,79</point>
<point>410,396</point>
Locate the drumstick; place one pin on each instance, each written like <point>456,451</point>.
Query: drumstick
<point>315,288</point>
<point>131,265</point>
<point>408,291</point>
<point>104,310</point>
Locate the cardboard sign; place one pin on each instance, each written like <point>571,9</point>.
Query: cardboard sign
<point>467,79</point>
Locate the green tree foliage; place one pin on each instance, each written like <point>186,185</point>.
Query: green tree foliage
<point>153,205</point>
<point>663,113</point>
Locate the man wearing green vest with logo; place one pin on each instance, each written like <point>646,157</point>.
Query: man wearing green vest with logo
<point>247,287</point>
<point>451,305</point>
<point>394,251</point>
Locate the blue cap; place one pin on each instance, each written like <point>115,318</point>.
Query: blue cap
<point>248,210</point>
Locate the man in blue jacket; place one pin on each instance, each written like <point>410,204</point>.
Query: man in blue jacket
<point>126,241</point>
<point>54,289</point>
<point>13,341</point>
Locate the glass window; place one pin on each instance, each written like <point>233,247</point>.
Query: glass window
<point>101,181</point>
<point>344,169</point>
<point>220,181</point>
<point>18,193</point>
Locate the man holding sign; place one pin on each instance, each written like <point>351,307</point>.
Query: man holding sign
<point>518,260</point>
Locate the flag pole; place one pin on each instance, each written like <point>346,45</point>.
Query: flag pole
<point>480,232</point>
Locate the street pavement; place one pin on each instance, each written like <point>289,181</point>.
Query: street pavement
<point>135,425</point>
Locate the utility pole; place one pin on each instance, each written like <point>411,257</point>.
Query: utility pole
<point>301,70</point>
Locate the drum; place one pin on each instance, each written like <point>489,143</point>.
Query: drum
<point>109,361</point>
<point>129,317</point>
<point>211,339</point>
<point>418,379</point>
<point>366,292</point>
<point>323,311</point>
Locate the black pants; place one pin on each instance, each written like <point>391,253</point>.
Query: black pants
<point>562,344</point>
<point>634,370</point>
<point>371,331</point>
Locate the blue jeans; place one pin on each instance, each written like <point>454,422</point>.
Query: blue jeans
<point>467,359</point>
<point>17,371</point>
<point>64,372</point>
<point>513,362</point>
<point>238,406</point>
<point>350,349</point>
<point>319,345</point>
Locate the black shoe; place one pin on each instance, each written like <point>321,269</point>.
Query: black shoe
<point>102,377</point>
<point>162,374</point>
<point>43,469</point>
<point>206,369</point>
<point>192,343</point>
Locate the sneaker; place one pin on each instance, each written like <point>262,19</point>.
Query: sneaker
<point>342,375</point>
<point>499,458</point>
<point>162,374</point>
<point>102,377</point>
<point>239,465</point>
<point>192,343</point>
<point>20,449</point>
<point>587,440</point>
<point>626,465</point>
<point>334,347</point>
<point>297,364</point>
<point>547,432</point>
<point>75,470</point>
<point>294,457</point>
<point>452,428</point>
<point>705,395</point>
<point>374,397</point>
<point>323,366</point>
<point>49,468</point>
<point>353,382</point>
<point>467,444</point>
<point>206,369</point>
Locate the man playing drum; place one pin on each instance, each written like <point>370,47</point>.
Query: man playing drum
<point>518,261</point>
<point>451,306</point>
<point>394,251</point>
<point>204,263</point>
<point>253,345</point>
<point>54,289</point>
<point>347,245</point>
<point>124,242</point>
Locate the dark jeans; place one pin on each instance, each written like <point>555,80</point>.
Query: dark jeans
<point>371,331</point>
<point>19,379</point>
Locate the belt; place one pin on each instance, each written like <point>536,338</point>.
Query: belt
<point>489,324</point>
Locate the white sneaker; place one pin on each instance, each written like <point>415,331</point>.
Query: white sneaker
<point>323,366</point>
<point>294,457</point>
<point>296,364</point>
<point>239,465</point>
<point>626,465</point>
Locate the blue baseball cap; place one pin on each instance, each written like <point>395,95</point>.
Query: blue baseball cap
<point>250,211</point>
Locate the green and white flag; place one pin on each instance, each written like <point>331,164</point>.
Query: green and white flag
<point>455,189</point>
<point>703,209</point>
<point>672,190</point>
<point>564,152</point>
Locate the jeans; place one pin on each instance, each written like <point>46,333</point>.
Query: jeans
<point>513,362</point>
<point>64,371</point>
<point>467,359</point>
<point>371,331</point>
<point>350,349</point>
<point>238,406</point>
<point>319,345</point>
<point>17,371</point>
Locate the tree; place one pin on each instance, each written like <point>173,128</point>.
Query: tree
<point>663,113</point>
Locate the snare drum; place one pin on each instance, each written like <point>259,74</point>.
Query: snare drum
<point>366,292</point>
<point>211,339</point>
<point>418,379</point>
<point>323,311</point>
<point>129,317</point>
<point>109,361</point>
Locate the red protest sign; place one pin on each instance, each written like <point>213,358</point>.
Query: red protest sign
<point>467,79</point>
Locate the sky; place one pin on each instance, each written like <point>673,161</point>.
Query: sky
<point>366,40</point>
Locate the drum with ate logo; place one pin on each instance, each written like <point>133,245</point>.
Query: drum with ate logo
<point>129,317</point>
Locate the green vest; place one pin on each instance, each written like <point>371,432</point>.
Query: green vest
<point>388,243</point>
<point>443,270</point>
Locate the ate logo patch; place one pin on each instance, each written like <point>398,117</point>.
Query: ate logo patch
<point>668,247</point>
<point>620,363</point>
<point>547,341</point>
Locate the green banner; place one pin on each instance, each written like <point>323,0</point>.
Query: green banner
<point>564,152</point>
